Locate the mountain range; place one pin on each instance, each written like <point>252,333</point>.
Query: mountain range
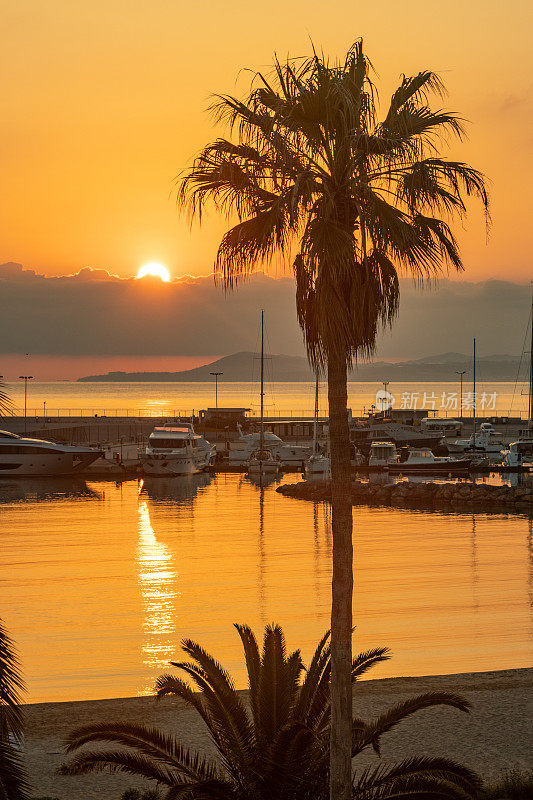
<point>244,366</point>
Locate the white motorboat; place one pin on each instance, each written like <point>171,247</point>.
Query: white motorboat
<point>520,453</point>
<point>176,450</point>
<point>485,442</point>
<point>382,454</point>
<point>22,456</point>
<point>423,461</point>
<point>318,466</point>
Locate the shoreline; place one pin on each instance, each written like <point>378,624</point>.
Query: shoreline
<point>493,737</point>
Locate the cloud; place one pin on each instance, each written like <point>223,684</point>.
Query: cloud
<point>96,313</point>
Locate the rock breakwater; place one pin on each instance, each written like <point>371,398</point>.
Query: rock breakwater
<point>428,495</point>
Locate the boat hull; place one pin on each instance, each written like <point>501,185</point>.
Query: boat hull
<point>461,466</point>
<point>157,466</point>
<point>45,464</point>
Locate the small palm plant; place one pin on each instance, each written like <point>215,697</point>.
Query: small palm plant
<point>276,747</point>
<point>13,785</point>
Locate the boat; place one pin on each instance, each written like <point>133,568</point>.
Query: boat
<point>176,450</point>
<point>318,466</point>
<point>486,442</point>
<point>22,456</point>
<point>424,461</point>
<point>520,453</point>
<point>382,454</point>
<point>261,460</point>
<point>289,455</point>
<point>443,426</point>
<point>373,429</point>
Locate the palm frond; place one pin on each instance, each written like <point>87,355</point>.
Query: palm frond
<point>371,733</point>
<point>150,743</point>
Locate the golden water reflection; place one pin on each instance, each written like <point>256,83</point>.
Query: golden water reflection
<point>158,584</point>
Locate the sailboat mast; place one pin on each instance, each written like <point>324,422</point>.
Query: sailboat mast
<point>261,438</point>
<point>474,404</point>
<point>531,365</point>
<point>315,426</point>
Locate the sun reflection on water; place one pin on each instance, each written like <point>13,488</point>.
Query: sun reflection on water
<point>157,582</point>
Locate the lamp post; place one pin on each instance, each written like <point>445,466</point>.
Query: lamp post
<point>25,378</point>
<point>384,401</point>
<point>461,373</point>
<point>216,374</point>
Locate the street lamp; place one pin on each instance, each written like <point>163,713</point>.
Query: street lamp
<point>25,378</point>
<point>384,402</point>
<point>461,373</point>
<point>216,374</point>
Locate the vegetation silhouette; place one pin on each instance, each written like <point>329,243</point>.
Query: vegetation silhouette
<point>277,744</point>
<point>13,784</point>
<point>348,199</point>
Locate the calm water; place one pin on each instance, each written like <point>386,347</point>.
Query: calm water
<point>99,582</point>
<point>281,397</point>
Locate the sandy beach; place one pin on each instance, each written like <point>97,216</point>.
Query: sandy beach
<point>495,736</point>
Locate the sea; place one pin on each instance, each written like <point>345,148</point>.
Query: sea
<point>281,398</point>
<point>100,581</point>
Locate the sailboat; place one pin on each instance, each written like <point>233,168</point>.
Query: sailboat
<point>318,466</point>
<point>261,460</point>
<point>484,443</point>
<point>520,453</point>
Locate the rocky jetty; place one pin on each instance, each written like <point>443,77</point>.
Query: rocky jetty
<point>429,495</point>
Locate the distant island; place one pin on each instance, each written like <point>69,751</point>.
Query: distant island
<point>242,367</point>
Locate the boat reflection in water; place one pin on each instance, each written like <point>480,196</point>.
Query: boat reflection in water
<point>181,487</point>
<point>158,577</point>
<point>45,489</point>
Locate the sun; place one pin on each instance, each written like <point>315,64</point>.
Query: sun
<point>156,270</point>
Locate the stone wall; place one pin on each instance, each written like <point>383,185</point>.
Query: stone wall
<point>435,496</point>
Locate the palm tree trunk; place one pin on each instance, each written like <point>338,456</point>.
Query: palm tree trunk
<point>342,581</point>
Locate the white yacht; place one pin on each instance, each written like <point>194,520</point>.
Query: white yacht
<point>486,441</point>
<point>25,457</point>
<point>176,450</point>
<point>423,461</point>
<point>289,455</point>
<point>382,454</point>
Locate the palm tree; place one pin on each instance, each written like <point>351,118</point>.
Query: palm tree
<point>276,747</point>
<point>13,785</point>
<point>314,177</point>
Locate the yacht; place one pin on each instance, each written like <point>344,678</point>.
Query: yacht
<point>176,450</point>
<point>289,455</point>
<point>486,441</point>
<point>21,457</point>
<point>423,461</point>
<point>520,453</point>
<point>364,432</point>
<point>382,454</point>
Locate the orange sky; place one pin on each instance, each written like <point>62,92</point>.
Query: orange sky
<point>103,102</point>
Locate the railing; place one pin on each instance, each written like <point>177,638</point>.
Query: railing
<point>128,413</point>
<point>38,414</point>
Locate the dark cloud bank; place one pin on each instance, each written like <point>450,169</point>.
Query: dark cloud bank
<point>96,313</point>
